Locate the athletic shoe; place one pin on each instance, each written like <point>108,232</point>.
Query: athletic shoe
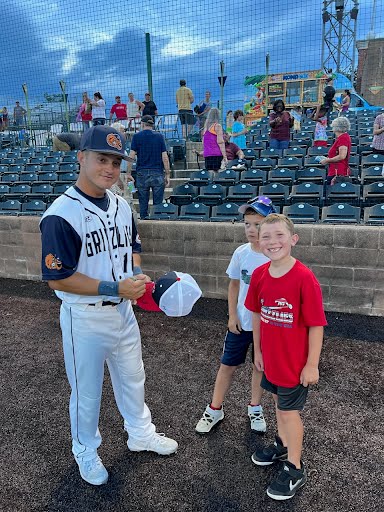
<point>158,443</point>
<point>288,481</point>
<point>93,471</point>
<point>270,454</point>
<point>209,419</point>
<point>256,417</point>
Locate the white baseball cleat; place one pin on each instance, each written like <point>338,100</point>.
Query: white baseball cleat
<point>158,443</point>
<point>93,471</point>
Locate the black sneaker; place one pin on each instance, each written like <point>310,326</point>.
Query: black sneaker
<point>288,481</point>
<point>270,454</point>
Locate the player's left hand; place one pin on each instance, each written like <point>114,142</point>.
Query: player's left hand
<point>309,375</point>
<point>144,277</point>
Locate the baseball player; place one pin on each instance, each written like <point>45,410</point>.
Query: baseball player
<point>87,241</point>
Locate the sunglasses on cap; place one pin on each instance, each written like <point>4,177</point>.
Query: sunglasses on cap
<point>260,199</point>
<point>261,204</point>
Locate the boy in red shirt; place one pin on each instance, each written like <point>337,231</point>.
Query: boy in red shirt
<point>288,319</point>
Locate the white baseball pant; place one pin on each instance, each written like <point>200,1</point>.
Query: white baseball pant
<point>93,335</point>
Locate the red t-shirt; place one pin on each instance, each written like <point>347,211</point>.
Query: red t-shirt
<point>341,167</point>
<point>288,306</point>
<point>120,110</point>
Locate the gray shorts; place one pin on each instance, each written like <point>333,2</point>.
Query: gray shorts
<point>288,399</point>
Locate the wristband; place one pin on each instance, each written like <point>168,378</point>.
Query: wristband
<point>137,270</point>
<point>109,288</point>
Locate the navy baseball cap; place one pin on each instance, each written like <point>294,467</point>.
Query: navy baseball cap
<point>260,204</point>
<point>104,139</point>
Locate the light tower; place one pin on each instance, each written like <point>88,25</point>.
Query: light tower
<point>339,36</point>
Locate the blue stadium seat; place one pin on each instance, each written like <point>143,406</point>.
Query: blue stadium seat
<point>227,212</point>
<point>286,176</point>
<point>226,178</point>
<point>183,194</point>
<point>372,160</point>
<point>211,195</point>
<point>371,174</point>
<point>194,211</point>
<point>311,193</point>
<point>301,213</point>
<point>201,178</point>
<point>241,193</point>
<point>341,213</point>
<point>373,193</point>
<point>10,207</point>
<point>343,192</point>
<point>374,214</point>
<point>35,207</point>
<point>163,211</point>
<point>314,174</point>
<point>278,192</point>
<point>255,177</point>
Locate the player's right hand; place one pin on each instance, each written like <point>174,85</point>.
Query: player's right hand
<point>132,288</point>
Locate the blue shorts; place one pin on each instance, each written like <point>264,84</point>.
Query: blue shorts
<point>236,347</point>
<point>288,399</point>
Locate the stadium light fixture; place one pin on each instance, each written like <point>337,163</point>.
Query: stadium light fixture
<point>354,13</point>
<point>326,17</point>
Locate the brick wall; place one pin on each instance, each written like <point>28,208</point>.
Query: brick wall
<point>347,260</point>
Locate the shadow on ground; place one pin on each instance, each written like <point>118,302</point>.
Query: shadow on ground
<point>344,419</point>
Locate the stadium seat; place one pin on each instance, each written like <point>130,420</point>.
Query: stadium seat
<point>286,176</point>
<point>194,211</point>
<point>295,151</point>
<point>264,163</point>
<point>69,158</point>
<point>310,193</point>
<point>278,192</point>
<point>311,161</point>
<point>257,145</point>
<point>28,177</point>
<point>302,213</point>
<point>16,168</point>
<point>7,161</point>
<point>10,177</point>
<point>35,207</point>
<point>373,193</point>
<point>341,213</point>
<point>68,176</point>
<point>4,189</point>
<point>18,192</point>
<point>10,207</point>
<point>4,168</point>
<point>51,168</point>
<point>211,195</point>
<point>52,159</point>
<point>47,177</point>
<point>67,166</point>
<point>163,211</point>
<point>32,168</point>
<point>183,194</point>
<point>372,160</point>
<point>21,160</point>
<point>226,178</point>
<point>250,155</point>
<point>58,190</point>
<point>371,174</point>
<point>374,214</point>
<point>38,160</point>
<point>354,160</point>
<point>343,192</point>
<point>241,193</point>
<point>317,151</point>
<point>201,178</point>
<point>290,162</point>
<point>40,191</point>
<point>271,153</point>
<point>255,177</point>
<point>227,212</point>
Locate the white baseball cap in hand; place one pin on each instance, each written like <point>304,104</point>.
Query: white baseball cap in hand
<point>176,293</point>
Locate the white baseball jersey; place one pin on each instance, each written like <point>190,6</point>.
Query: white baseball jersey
<point>103,244</point>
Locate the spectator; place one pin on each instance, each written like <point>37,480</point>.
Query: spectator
<point>345,102</point>
<point>339,152</point>
<point>152,161</point>
<point>296,113</point>
<point>98,109</point>
<point>204,107</point>
<point>134,109</point>
<point>66,141</point>
<point>329,96</point>
<point>213,142</point>
<point>150,108</point>
<point>4,119</point>
<point>378,135</point>
<point>229,120</point>
<point>232,150</point>
<point>239,130</point>
<point>246,258</point>
<point>85,112</point>
<point>18,114</point>
<point>320,116</point>
<point>280,122</point>
<point>184,99</point>
<point>119,110</point>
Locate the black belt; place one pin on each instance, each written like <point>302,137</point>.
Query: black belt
<point>108,303</point>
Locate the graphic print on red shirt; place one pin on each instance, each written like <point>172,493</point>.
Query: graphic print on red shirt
<point>288,306</point>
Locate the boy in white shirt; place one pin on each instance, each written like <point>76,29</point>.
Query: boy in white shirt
<point>239,336</point>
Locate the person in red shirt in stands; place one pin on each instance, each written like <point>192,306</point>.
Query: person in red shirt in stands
<point>339,152</point>
<point>119,109</point>
<point>288,323</point>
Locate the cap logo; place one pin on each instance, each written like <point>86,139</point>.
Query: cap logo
<point>114,141</point>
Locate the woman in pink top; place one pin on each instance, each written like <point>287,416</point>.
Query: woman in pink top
<point>213,142</point>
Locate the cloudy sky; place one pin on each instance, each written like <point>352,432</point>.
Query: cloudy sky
<point>100,45</point>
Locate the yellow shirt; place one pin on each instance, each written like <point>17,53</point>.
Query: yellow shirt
<point>184,98</point>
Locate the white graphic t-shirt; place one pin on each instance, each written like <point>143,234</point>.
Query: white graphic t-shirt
<point>243,262</point>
